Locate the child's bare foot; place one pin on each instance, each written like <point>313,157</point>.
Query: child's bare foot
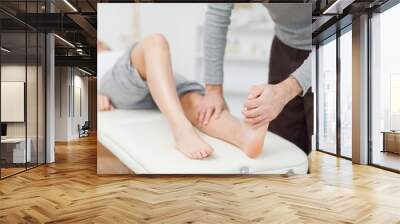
<point>252,139</point>
<point>191,145</point>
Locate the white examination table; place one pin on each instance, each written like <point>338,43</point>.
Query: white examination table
<point>142,140</point>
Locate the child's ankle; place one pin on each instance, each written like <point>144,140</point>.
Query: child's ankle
<point>182,127</point>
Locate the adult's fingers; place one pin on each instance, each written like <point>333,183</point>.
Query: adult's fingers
<point>208,116</point>
<point>102,104</point>
<point>253,103</point>
<point>198,113</point>
<point>202,116</point>
<point>254,112</point>
<point>106,104</point>
<point>261,123</point>
<point>254,120</point>
<point>217,113</point>
<point>99,105</point>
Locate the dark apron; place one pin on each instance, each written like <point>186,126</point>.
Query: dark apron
<point>295,122</point>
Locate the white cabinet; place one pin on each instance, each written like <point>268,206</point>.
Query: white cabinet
<point>16,147</point>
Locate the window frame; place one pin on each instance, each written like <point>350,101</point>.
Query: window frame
<point>27,29</point>
<point>334,37</point>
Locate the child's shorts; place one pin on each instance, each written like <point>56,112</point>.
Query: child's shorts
<point>127,90</point>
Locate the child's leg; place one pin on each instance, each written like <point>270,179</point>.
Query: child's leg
<point>227,127</point>
<point>152,60</point>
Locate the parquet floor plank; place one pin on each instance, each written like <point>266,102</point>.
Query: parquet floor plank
<point>70,191</point>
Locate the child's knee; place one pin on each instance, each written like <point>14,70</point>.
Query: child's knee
<point>190,103</point>
<point>194,99</point>
<point>157,40</point>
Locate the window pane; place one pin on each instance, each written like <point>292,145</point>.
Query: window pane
<point>346,94</point>
<point>327,97</point>
<point>23,89</point>
<point>385,84</point>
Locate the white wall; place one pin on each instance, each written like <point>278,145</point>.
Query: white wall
<point>179,23</point>
<point>119,17</point>
<point>80,82</point>
<point>66,120</point>
<point>61,103</point>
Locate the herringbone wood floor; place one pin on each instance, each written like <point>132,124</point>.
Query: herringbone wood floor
<point>69,191</point>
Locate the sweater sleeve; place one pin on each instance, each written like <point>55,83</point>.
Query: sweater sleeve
<point>303,75</point>
<point>216,27</point>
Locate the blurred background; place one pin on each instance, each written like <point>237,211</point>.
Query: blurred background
<point>247,51</point>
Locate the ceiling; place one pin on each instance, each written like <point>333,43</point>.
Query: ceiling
<point>74,24</point>
<point>331,16</point>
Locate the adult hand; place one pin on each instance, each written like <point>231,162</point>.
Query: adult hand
<point>265,102</point>
<point>211,105</point>
<point>104,103</point>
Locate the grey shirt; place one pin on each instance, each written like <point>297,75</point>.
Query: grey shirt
<point>292,27</point>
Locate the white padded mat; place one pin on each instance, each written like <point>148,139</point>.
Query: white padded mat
<point>142,140</point>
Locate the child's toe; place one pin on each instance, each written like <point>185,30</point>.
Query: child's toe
<point>199,155</point>
<point>204,153</point>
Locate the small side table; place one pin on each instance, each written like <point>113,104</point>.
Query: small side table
<point>391,141</point>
